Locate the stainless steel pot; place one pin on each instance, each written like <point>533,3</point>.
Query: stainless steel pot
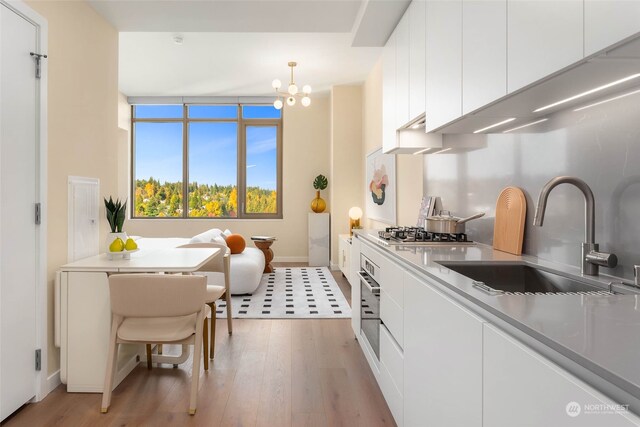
<point>446,223</point>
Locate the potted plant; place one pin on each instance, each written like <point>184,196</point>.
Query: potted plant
<point>116,213</point>
<point>318,204</point>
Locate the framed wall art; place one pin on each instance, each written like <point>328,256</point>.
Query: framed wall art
<point>381,187</point>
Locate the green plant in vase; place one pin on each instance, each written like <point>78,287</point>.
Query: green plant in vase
<point>116,212</point>
<point>318,204</point>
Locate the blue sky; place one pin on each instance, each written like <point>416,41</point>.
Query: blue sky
<point>212,148</point>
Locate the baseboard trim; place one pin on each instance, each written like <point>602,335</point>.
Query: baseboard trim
<point>53,381</point>
<point>290,259</point>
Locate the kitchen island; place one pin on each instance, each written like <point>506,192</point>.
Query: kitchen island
<point>499,354</point>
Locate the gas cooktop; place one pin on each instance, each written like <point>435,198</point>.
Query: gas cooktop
<point>419,236</point>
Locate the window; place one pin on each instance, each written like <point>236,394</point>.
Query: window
<point>226,159</point>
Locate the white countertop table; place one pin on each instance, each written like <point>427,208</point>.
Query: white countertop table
<point>169,260</point>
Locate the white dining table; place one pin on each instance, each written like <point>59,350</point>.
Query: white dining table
<point>83,312</point>
<point>167,260</point>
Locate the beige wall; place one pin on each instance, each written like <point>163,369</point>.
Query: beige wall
<point>124,138</point>
<point>83,119</point>
<point>346,150</point>
<point>305,155</point>
<point>409,168</point>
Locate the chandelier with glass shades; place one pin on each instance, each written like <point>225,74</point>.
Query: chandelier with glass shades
<point>292,92</point>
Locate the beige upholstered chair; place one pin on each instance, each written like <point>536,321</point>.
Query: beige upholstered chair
<point>216,265</point>
<point>156,308</point>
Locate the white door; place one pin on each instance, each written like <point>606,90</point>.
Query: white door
<point>18,166</point>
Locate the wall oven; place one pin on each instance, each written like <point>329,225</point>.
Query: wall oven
<point>370,303</point>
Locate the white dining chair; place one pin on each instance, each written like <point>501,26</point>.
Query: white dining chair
<point>155,308</point>
<point>218,264</point>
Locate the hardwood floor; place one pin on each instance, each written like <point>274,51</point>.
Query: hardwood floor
<point>275,373</point>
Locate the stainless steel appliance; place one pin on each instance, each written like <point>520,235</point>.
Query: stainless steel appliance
<point>370,303</point>
<point>419,236</point>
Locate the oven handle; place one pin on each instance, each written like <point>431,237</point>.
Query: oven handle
<point>366,283</point>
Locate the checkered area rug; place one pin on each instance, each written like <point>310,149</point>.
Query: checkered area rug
<point>291,293</point>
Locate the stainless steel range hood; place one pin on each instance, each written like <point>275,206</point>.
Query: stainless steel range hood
<point>412,139</point>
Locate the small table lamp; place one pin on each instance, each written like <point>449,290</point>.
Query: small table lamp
<point>355,213</point>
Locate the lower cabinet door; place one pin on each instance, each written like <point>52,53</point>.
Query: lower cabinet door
<point>391,394</point>
<point>392,357</point>
<point>523,388</point>
<point>392,317</point>
<point>354,279</point>
<point>442,359</point>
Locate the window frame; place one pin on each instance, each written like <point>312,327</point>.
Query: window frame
<point>242,159</point>
<point>242,125</point>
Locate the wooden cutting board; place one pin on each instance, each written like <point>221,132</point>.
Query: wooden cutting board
<point>511,211</point>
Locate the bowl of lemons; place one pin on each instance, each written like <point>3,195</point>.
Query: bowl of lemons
<point>121,249</point>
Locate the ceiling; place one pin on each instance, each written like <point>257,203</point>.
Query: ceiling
<point>238,16</point>
<point>237,47</point>
<point>237,63</point>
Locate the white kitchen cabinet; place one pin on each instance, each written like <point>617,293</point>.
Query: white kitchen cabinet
<point>392,316</point>
<point>392,298</point>
<point>354,279</point>
<point>443,68</point>
<point>84,328</point>
<point>442,359</point>
<point>389,94</point>
<point>344,254</point>
<point>392,374</point>
<point>608,22</point>
<point>484,52</point>
<point>417,56</point>
<point>543,37</point>
<point>523,388</point>
<point>402,70</point>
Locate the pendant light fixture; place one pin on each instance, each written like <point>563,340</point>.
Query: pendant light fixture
<point>292,93</point>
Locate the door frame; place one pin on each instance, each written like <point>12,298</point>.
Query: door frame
<point>44,382</point>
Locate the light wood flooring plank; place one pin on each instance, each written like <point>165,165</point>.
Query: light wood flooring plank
<point>300,419</point>
<point>306,386</point>
<point>275,395</point>
<point>338,397</point>
<point>242,406</point>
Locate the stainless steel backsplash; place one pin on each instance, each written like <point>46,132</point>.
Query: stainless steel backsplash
<point>601,145</point>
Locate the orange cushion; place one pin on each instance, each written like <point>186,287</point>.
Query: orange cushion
<point>236,243</point>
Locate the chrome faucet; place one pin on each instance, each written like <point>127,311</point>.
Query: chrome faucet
<point>591,258</point>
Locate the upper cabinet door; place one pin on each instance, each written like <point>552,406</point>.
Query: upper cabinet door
<point>417,55</point>
<point>389,94</point>
<point>443,101</point>
<point>608,22</point>
<point>402,70</point>
<point>544,37</point>
<point>484,52</point>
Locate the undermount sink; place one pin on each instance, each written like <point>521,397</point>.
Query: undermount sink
<point>522,279</point>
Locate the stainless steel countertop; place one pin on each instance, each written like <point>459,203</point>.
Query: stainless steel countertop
<point>600,333</point>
